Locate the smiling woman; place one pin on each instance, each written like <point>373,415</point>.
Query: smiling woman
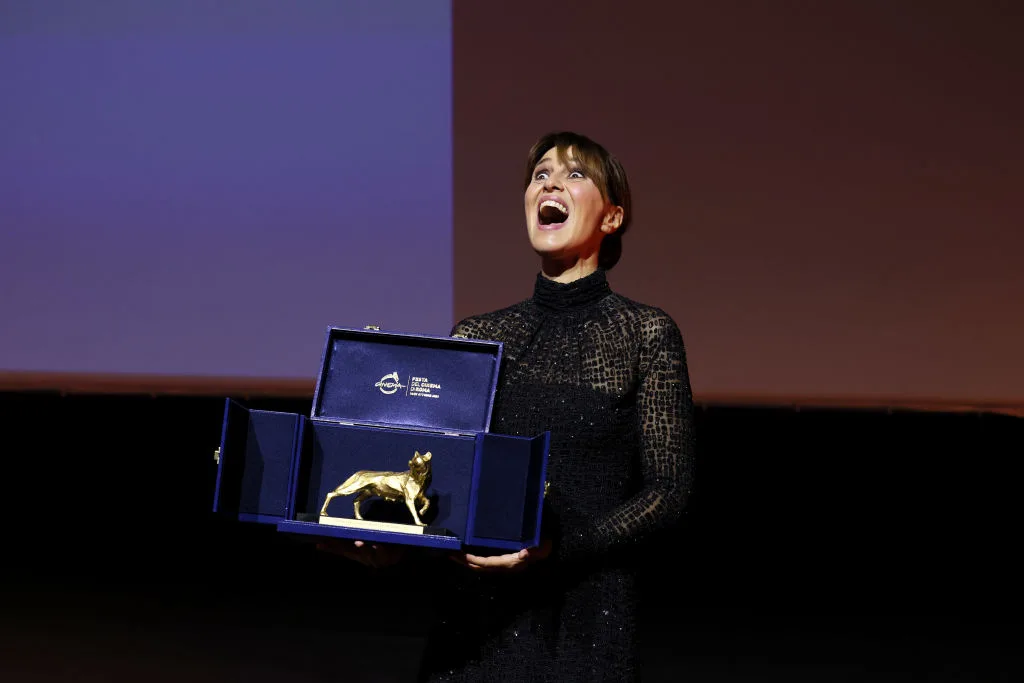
<point>608,377</point>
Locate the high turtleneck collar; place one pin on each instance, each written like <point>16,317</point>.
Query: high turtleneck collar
<point>571,296</point>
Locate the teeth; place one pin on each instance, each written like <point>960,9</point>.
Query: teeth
<point>556,205</point>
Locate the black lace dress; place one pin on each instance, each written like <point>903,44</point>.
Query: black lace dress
<point>608,377</point>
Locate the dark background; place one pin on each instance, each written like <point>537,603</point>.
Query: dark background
<point>820,545</point>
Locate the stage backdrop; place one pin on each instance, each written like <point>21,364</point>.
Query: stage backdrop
<point>827,196</point>
<point>199,188</point>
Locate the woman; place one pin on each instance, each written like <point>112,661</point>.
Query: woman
<point>608,377</point>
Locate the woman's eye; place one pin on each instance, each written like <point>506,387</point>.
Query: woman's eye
<point>540,175</point>
<point>576,174</point>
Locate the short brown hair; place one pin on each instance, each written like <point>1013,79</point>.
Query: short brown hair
<point>600,166</point>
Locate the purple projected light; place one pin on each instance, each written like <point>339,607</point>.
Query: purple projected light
<point>204,192</point>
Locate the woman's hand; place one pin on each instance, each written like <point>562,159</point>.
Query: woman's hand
<point>512,562</point>
<point>377,555</point>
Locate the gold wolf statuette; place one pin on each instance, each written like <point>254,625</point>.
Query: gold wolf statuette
<point>409,487</point>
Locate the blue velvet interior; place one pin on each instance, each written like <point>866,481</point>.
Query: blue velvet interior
<point>334,452</point>
<point>540,446</point>
<point>355,363</point>
<point>508,484</point>
<point>256,462</point>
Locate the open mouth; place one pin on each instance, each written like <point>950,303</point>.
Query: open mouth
<point>552,212</point>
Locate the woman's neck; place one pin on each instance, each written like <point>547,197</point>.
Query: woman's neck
<point>567,271</point>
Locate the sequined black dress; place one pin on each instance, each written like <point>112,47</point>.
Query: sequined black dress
<point>608,377</point>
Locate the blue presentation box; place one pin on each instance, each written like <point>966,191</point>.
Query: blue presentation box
<point>381,399</point>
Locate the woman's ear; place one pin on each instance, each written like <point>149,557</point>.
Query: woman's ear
<point>612,219</point>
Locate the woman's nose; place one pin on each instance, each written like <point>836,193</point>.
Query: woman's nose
<point>552,182</point>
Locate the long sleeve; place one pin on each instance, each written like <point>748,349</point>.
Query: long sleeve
<point>664,406</point>
<point>607,377</point>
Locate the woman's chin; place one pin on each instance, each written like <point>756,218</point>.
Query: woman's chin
<point>550,249</point>
<point>547,237</point>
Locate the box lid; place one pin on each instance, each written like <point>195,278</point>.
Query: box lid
<point>254,463</point>
<point>390,379</point>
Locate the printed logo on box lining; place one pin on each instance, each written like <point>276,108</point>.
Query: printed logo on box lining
<point>419,387</point>
<point>389,384</point>
<point>422,387</point>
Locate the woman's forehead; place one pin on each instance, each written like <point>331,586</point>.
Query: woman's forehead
<point>561,154</point>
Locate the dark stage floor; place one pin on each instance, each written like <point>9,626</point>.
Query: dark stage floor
<point>62,633</point>
<point>819,547</point>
